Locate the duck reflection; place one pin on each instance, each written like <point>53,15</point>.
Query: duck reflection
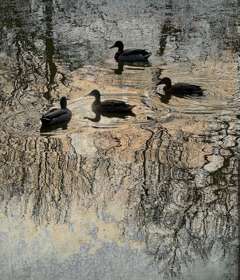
<point>61,126</point>
<point>137,65</point>
<point>180,90</point>
<point>109,108</point>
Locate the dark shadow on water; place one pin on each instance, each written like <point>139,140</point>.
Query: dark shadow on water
<point>165,98</point>
<point>167,30</point>
<point>121,65</point>
<point>118,115</point>
<point>50,128</point>
<point>51,68</point>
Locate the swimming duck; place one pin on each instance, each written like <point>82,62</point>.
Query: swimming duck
<point>179,90</point>
<point>130,55</point>
<point>57,116</point>
<point>109,108</point>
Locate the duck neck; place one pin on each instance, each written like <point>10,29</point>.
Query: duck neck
<point>116,56</point>
<point>168,84</point>
<point>97,99</point>
<point>63,104</point>
<point>120,49</point>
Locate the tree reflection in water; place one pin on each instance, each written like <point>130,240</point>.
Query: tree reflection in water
<point>183,211</point>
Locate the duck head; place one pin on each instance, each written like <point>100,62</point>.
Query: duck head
<point>63,102</point>
<point>95,93</point>
<point>165,81</point>
<point>119,45</point>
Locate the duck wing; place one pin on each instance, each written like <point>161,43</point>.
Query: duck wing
<point>135,52</point>
<point>53,114</point>
<point>115,105</point>
<point>187,89</point>
<point>57,116</point>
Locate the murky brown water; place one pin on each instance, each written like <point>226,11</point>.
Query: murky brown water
<point>151,197</point>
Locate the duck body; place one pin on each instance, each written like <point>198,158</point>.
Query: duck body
<point>57,116</point>
<point>110,108</point>
<point>130,55</point>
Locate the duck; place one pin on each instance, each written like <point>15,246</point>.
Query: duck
<point>57,116</point>
<point>130,55</point>
<point>109,108</point>
<point>179,89</point>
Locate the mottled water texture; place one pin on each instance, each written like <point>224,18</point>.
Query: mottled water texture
<point>148,197</point>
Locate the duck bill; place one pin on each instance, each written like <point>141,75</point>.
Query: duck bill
<point>112,47</point>
<point>89,94</point>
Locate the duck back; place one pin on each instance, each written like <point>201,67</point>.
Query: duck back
<point>186,89</point>
<point>116,106</point>
<point>56,117</point>
<point>132,55</point>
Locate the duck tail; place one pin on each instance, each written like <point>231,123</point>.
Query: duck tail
<point>148,54</point>
<point>45,120</point>
<point>132,114</point>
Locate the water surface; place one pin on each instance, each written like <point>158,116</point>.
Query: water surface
<point>148,197</point>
